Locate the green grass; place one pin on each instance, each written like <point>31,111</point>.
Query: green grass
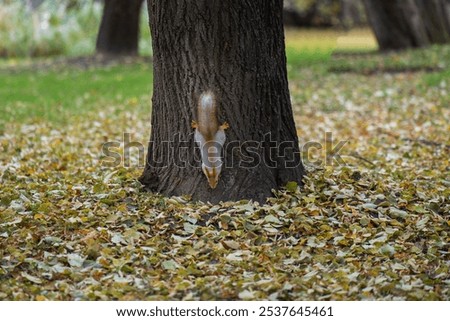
<point>423,59</point>
<point>309,57</point>
<point>310,47</point>
<point>438,78</point>
<point>56,95</point>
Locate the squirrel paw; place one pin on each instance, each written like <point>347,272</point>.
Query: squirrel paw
<point>194,124</point>
<point>224,126</point>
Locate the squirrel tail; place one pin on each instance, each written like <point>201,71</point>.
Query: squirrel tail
<point>207,114</point>
<point>207,100</point>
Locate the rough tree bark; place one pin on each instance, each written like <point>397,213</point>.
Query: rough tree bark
<point>119,29</point>
<point>397,24</point>
<point>235,49</point>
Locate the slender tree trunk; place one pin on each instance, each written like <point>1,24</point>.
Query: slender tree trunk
<point>397,24</point>
<point>435,20</point>
<point>35,3</point>
<point>350,14</point>
<point>236,50</point>
<point>119,29</point>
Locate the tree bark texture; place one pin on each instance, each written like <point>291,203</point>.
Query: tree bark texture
<point>119,28</point>
<point>397,24</point>
<point>235,49</point>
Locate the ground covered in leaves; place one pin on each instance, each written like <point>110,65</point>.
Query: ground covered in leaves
<point>374,226</point>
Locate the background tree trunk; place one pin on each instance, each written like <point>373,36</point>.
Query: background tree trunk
<point>435,19</point>
<point>119,29</point>
<point>351,13</point>
<point>236,49</point>
<point>35,3</point>
<point>446,11</point>
<point>293,17</point>
<point>397,24</point>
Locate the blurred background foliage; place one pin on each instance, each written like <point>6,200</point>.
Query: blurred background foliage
<point>324,13</point>
<point>41,28</point>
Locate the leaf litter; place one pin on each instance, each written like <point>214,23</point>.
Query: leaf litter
<point>374,228</point>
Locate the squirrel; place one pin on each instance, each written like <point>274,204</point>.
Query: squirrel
<point>210,137</point>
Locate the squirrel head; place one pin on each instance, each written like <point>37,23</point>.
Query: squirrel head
<point>212,174</point>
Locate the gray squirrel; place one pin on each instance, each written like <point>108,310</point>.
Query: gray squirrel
<point>210,137</point>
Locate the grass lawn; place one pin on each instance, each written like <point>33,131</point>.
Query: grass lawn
<point>373,227</point>
<point>55,95</point>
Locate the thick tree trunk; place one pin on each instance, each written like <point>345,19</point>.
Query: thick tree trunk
<point>236,50</point>
<point>397,24</point>
<point>435,20</point>
<point>119,29</point>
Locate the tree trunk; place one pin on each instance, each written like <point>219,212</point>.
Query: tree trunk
<point>435,20</point>
<point>397,24</point>
<point>119,29</point>
<point>236,50</point>
<point>446,11</point>
<point>351,13</point>
<point>293,17</point>
<point>35,3</point>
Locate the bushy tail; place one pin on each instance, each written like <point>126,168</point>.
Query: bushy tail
<point>207,100</point>
<point>207,118</point>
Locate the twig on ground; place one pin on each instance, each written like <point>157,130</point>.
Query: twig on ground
<point>415,140</point>
<point>357,156</point>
